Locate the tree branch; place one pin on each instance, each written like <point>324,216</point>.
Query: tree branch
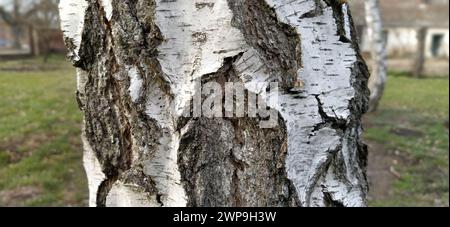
<point>7,17</point>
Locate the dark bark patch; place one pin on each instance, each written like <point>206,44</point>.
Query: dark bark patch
<point>278,43</point>
<point>232,161</point>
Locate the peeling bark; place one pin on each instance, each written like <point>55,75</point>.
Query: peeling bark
<point>139,64</point>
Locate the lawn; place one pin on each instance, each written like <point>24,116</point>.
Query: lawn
<point>40,148</point>
<point>411,129</point>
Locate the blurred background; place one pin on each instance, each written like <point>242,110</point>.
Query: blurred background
<point>408,137</point>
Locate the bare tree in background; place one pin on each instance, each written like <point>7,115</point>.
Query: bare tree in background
<point>16,19</point>
<point>139,62</point>
<point>377,41</point>
<point>45,20</point>
<point>24,16</point>
<point>46,14</point>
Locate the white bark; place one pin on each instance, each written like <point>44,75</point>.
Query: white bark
<point>378,49</point>
<point>139,64</point>
<point>72,18</point>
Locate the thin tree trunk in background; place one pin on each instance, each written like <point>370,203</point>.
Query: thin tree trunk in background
<point>419,63</point>
<point>34,41</point>
<point>17,28</point>
<point>378,76</point>
<point>139,62</point>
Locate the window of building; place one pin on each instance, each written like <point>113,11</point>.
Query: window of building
<point>436,43</point>
<point>2,41</point>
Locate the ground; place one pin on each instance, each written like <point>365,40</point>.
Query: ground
<point>40,147</point>
<point>408,142</point>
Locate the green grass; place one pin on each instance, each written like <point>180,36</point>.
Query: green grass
<point>40,149</point>
<point>419,107</point>
<point>54,62</point>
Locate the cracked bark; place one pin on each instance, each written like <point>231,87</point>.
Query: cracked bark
<point>139,62</point>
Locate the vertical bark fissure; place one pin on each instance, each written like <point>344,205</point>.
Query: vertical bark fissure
<point>137,38</point>
<point>124,122</point>
<point>109,117</point>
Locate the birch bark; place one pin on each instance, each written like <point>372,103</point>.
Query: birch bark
<point>139,63</point>
<point>377,80</point>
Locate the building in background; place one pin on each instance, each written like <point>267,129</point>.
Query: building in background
<point>403,20</point>
<point>33,40</point>
<point>6,39</point>
<point>50,40</point>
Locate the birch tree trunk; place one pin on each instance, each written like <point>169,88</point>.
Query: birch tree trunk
<point>419,62</point>
<point>139,65</point>
<point>378,76</point>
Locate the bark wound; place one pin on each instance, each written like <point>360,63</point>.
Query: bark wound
<point>232,161</point>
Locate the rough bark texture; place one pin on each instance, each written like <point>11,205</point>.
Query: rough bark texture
<point>375,32</point>
<point>139,62</point>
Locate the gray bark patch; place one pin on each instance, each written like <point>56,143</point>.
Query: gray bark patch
<point>232,162</point>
